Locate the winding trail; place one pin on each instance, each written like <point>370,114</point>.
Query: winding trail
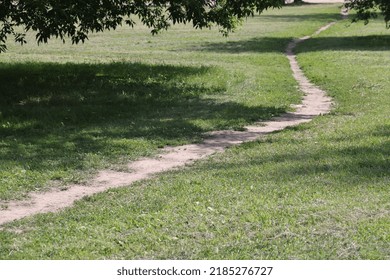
<point>314,103</point>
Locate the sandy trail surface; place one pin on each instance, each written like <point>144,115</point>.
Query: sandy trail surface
<point>314,103</point>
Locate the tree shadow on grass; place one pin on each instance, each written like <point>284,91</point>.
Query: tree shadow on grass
<point>55,114</point>
<point>275,44</point>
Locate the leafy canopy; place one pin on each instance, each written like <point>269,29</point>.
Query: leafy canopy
<point>77,18</point>
<point>367,9</point>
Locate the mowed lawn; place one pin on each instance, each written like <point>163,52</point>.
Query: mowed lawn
<point>317,191</point>
<point>67,111</point>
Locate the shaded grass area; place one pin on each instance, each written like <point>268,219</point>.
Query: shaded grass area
<point>267,44</point>
<point>67,111</point>
<point>59,118</point>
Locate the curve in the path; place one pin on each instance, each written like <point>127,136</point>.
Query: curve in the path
<point>314,103</point>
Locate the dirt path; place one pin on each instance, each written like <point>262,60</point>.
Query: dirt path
<point>314,103</point>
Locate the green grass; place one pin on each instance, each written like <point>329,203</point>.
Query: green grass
<point>317,191</point>
<point>67,111</point>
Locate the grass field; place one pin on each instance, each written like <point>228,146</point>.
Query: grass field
<point>67,111</point>
<point>317,191</point>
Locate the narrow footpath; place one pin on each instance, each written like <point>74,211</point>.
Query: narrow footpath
<point>315,102</point>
